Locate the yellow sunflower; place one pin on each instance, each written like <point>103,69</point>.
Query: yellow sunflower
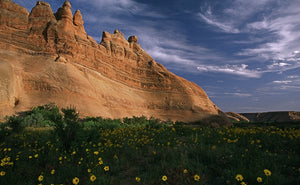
<point>259,179</point>
<point>239,177</point>
<point>267,172</point>
<point>106,168</point>
<point>75,181</point>
<point>164,178</point>
<point>93,178</point>
<point>138,179</point>
<point>196,177</point>
<point>41,178</point>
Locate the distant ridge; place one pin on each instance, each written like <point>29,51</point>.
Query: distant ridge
<point>280,116</point>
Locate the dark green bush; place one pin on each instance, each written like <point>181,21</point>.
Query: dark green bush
<point>41,116</point>
<point>67,128</point>
<point>15,123</point>
<point>215,121</point>
<point>136,121</point>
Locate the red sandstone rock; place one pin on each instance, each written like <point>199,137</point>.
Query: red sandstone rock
<point>78,22</point>
<point>13,15</point>
<point>51,59</point>
<point>133,39</point>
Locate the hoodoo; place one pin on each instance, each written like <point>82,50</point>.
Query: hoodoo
<point>47,57</point>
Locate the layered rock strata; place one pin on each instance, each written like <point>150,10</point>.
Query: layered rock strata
<point>48,57</point>
<point>236,117</point>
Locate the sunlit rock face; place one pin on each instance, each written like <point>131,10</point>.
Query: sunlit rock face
<point>48,57</point>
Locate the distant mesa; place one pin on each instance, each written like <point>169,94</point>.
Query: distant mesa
<point>271,117</point>
<point>48,57</point>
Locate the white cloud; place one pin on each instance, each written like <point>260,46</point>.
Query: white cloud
<point>293,76</point>
<point>169,47</point>
<point>290,83</point>
<point>122,7</point>
<point>296,52</point>
<point>240,70</point>
<point>275,31</point>
<point>239,94</point>
<point>230,19</point>
<point>289,87</point>
<point>282,81</point>
<point>118,6</point>
<point>212,21</point>
<point>276,65</point>
<point>281,26</point>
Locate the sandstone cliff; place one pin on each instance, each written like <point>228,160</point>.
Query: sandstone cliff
<point>48,57</point>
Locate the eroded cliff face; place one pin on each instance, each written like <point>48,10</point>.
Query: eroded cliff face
<point>48,57</point>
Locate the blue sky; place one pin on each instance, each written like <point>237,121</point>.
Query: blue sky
<point>244,53</point>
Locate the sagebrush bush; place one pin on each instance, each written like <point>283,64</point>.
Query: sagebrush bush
<point>67,128</point>
<point>15,123</point>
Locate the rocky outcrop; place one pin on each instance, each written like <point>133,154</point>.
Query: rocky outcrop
<point>50,58</point>
<point>279,117</point>
<point>236,117</point>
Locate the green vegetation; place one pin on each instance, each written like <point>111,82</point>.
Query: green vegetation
<point>49,146</point>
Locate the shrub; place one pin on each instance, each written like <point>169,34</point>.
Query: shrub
<point>41,116</point>
<point>15,123</point>
<point>136,121</point>
<point>108,123</point>
<point>3,130</point>
<point>215,121</point>
<point>67,128</point>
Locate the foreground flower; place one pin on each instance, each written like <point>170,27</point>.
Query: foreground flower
<point>259,179</point>
<point>106,168</point>
<point>138,179</point>
<point>75,181</point>
<point>93,178</point>
<point>196,177</point>
<point>243,183</point>
<point>267,172</point>
<point>2,173</point>
<point>185,171</point>
<point>164,178</point>
<point>239,177</point>
<point>52,172</point>
<point>41,178</point>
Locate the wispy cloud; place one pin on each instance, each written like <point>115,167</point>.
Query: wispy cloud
<point>282,27</point>
<point>282,81</point>
<point>240,70</point>
<point>293,77</point>
<point>209,19</point>
<point>289,83</point>
<point>122,7</point>
<point>173,49</point>
<point>118,6</point>
<point>273,36</point>
<point>238,94</point>
<point>231,19</point>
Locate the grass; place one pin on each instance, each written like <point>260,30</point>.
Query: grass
<point>150,153</point>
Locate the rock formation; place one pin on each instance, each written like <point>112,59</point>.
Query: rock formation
<point>48,57</point>
<point>236,117</point>
<point>279,117</point>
